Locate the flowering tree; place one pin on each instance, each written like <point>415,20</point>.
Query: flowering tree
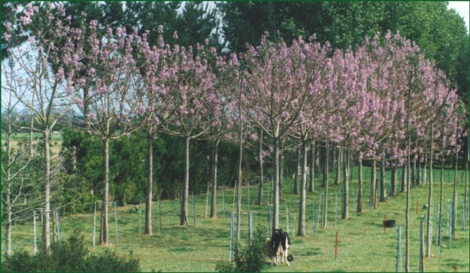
<point>191,88</point>
<point>271,100</point>
<point>35,76</point>
<point>105,66</point>
<point>153,65</point>
<point>308,62</point>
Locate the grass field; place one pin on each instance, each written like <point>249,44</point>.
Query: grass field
<point>363,245</point>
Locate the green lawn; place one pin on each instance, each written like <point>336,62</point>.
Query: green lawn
<point>363,245</point>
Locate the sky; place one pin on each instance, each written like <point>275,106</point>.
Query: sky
<point>461,7</point>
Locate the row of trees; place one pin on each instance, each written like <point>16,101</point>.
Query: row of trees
<point>382,101</point>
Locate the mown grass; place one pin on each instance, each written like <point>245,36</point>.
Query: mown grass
<point>363,245</point>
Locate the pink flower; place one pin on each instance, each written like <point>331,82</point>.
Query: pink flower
<point>160,29</point>
<point>26,20</point>
<point>91,72</point>
<point>175,35</point>
<point>6,36</point>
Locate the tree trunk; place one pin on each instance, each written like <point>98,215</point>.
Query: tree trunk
<point>281,168</point>
<point>311,187</point>
<point>359,187</point>
<point>338,166</point>
<point>441,195</point>
<point>240,181</point>
<point>47,192</point>
<point>299,165</point>
<point>184,203</point>
<point>148,201</point>
<point>261,171</point>
<point>454,193</point>
<point>418,176</point>
<point>104,236</point>
<point>276,183</point>
<point>413,174</point>
<point>303,191</point>
<point>393,182</point>
<point>383,189</point>
<point>428,220</point>
<point>345,214</point>
<point>214,180</point>
<point>403,178</point>
<point>325,184</point>
<point>372,184</point>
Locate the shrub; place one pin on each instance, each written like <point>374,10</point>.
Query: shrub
<point>69,256</point>
<point>249,258</point>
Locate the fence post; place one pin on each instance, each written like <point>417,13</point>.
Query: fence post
<point>116,217</point>
<point>336,210</point>
<point>287,217</point>
<point>159,216</point>
<point>35,236</point>
<point>231,239</point>
<point>207,200</point>
<point>250,226</point>
<point>421,245</point>
<point>398,265</point>
<point>194,209</point>
<point>94,227</point>
<point>58,224</point>
<point>313,218</point>
<point>223,196</point>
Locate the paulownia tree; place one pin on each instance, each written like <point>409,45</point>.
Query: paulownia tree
<point>190,87</point>
<point>271,100</point>
<point>37,72</point>
<point>114,84</point>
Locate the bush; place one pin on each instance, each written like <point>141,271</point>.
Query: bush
<point>249,258</point>
<point>69,256</point>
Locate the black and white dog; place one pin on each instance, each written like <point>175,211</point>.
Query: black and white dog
<point>278,246</point>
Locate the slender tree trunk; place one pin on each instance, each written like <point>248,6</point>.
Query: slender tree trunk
<point>311,187</point>
<point>418,176</point>
<point>276,183</point>
<point>148,201</point>
<point>339,162</point>
<point>104,206</point>
<point>214,180</point>
<point>428,220</point>
<point>47,192</point>
<point>281,168</point>
<point>454,193</point>
<point>303,191</point>
<point>408,183</point>
<point>7,205</point>
<point>325,183</point>
<point>383,189</point>
<point>184,205</point>
<point>240,181</point>
<point>393,181</point>
<point>31,133</point>
<point>345,214</point>
<point>359,187</point>
<point>441,195</point>
<point>261,171</point>
<point>403,178</point>
<point>413,174</point>
<point>372,184</point>
<point>299,165</point>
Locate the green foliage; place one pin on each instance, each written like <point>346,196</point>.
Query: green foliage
<point>70,256</point>
<point>249,258</point>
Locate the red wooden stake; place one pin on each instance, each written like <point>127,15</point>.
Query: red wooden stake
<point>336,245</point>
